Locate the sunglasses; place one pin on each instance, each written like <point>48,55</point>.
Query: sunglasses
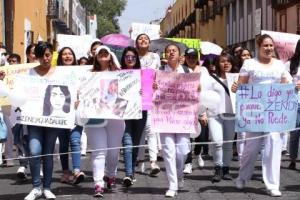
<point>130,57</point>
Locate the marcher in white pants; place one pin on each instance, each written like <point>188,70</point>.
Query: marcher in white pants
<point>102,138</point>
<point>175,149</point>
<point>265,69</point>
<point>270,160</point>
<point>175,146</point>
<point>83,143</point>
<point>240,145</point>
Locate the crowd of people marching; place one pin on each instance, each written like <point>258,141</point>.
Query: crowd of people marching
<point>216,126</point>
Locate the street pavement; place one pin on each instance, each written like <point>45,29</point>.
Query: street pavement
<point>197,185</point>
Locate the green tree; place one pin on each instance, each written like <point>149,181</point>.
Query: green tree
<point>107,12</point>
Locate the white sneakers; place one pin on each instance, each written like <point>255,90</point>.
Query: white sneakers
<point>171,193</point>
<point>188,168</point>
<point>36,193</point>
<point>49,195</point>
<point>200,161</point>
<point>22,173</point>
<point>240,184</point>
<point>275,193</point>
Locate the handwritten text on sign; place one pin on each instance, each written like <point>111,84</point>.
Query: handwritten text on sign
<point>266,108</point>
<point>176,103</point>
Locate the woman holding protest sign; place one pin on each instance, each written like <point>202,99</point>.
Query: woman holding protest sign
<point>66,57</point>
<point>175,147</point>
<point>134,128</point>
<point>104,133</point>
<point>149,60</point>
<point>293,67</point>
<point>42,139</point>
<point>262,70</point>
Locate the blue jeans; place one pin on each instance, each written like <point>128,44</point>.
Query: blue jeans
<point>294,138</point>
<point>73,138</point>
<point>132,137</point>
<point>42,141</point>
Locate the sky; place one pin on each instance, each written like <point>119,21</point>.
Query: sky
<point>142,11</point>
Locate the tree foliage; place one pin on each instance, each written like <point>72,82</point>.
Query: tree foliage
<point>107,12</point>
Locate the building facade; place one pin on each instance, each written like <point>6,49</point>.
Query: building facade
<point>204,19</point>
<point>287,16</point>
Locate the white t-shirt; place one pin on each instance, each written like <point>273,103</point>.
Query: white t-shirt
<point>295,78</point>
<point>150,60</point>
<point>259,73</point>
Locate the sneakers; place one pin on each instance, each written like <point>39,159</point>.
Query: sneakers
<point>188,168</point>
<point>22,173</point>
<point>200,161</point>
<point>154,169</point>
<point>65,178</point>
<point>285,153</point>
<point>180,184</point>
<point>99,192</point>
<point>128,181</point>
<point>292,165</point>
<point>49,195</point>
<point>34,194</point>
<point>275,193</point>
<point>240,184</point>
<point>226,175</point>
<point>78,177</point>
<point>171,193</point>
<point>110,182</point>
<point>218,174</point>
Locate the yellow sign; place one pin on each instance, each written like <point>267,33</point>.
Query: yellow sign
<point>54,58</point>
<point>10,72</point>
<point>189,42</point>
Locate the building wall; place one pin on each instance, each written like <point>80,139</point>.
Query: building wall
<point>2,33</point>
<point>286,19</point>
<point>214,30</point>
<point>32,19</point>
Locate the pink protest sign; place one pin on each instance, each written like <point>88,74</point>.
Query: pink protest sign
<point>176,103</point>
<point>147,82</point>
<point>285,43</point>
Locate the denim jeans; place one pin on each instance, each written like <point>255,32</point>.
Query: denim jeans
<point>132,137</point>
<point>41,142</point>
<point>73,138</point>
<point>221,128</point>
<point>294,138</point>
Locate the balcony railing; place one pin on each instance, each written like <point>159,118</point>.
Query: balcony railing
<point>52,10</point>
<point>200,3</point>
<point>279,4</point>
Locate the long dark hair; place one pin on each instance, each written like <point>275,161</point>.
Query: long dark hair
<point>48,108</point>
<point>137,61</point>
<point>41,47</point>
<point>240,60</point>
<point>295,60</point>
<point>28,50</point>
<point>59,58</point>
<point>229,57</point>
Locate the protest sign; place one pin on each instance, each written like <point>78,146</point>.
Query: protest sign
<point>10,72</point>
<point>231,78</point>
<point>176,103</point>
<point>111,95</point>
<point>285,43</point>
<point>266,108</point>
<point>189,42</point>
<point>80,44</point>
<point>49,101</point>
<point>147,88</point>
<point>150,29</point>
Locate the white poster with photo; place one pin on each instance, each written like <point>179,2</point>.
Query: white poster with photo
<point>231,78</point>
<point>111,95</point>
<point>48,102</point>
<point>80,44</point>
<point>150,29</point>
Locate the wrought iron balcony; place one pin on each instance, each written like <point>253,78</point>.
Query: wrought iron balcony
<point>279,4</point>
<point>200,3</point>
<point>52,10</point>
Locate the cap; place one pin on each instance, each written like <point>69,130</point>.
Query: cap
<point>191,52</point>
